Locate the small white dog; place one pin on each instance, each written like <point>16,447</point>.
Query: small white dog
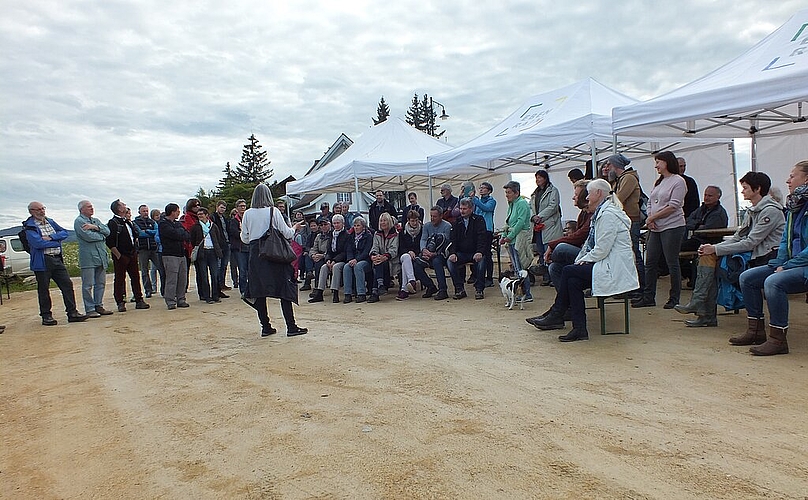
<point>510,288</point>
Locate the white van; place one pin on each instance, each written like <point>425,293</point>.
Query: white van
<point>17,260</point>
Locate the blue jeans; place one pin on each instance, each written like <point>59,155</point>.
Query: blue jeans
<point>438,263</point>
<point>458,271</point>
<point>635,247</point>
<point>563,255</point>
<point>777,286</point>
<point>358,272</point>
<point>223,265</point>
<point>665,243</point>
<point>207,274</point>
<point>570,292</point>
<point>93,284</point>
<point>243,269</point>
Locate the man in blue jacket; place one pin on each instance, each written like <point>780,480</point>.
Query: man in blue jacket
<point>45,238</point>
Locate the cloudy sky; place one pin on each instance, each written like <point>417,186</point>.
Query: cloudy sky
<point>147,100</point>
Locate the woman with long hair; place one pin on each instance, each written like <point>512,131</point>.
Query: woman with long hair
<point>268,279</point>
<point>787,273</point>
<point>666,228</point>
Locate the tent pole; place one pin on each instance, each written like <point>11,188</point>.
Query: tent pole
<point>754,153</point>
<point>735,183</point>
<point>595,170</point>
<point>429,184</point>
<point>356,191</point>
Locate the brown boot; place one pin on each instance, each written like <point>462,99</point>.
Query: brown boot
<point>755,333</point>
<point>776,343</point>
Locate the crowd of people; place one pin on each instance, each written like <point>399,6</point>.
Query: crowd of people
<point>343,251</point>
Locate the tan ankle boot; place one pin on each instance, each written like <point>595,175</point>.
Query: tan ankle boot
<point>755,333</point>
<point>775,344</point>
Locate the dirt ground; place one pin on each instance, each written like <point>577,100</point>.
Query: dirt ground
<point>395,400</point>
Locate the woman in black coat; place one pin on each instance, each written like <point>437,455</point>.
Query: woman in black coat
<point>269,279</point>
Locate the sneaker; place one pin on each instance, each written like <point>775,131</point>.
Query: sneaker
<point>92,314</point>
<point>122,307</point>
<point>442,295</point>
<point>479,295</point>
<point>183,304</point>
<point>141,305</point>
<point>460,294</point>
<point>410,287</point>
<point>360,298</point>
<point>529,298</point>
<point>103,312</point>
<point>266,331</point>
<point>402,295</point>
<point>429,292</point>
<point>372,298</point>
<point>223,295</point>
<point>348,299</point>
<point>171,307</point>
<point>295,331</point>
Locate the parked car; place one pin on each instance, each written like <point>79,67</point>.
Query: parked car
<point>16,260</point>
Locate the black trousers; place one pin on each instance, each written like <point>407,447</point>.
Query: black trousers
<point>54,270</point>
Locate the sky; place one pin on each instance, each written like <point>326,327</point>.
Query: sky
<point>147,101</point>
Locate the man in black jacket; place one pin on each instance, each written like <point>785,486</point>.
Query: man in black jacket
<point>221,222</point>
<point>122,242</point>
<point>376,210</point>
<point>173,236</point>
<point>468,245</point>
<point>146,247</point>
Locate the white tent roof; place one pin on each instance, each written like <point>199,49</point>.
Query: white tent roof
<point>390,156</point>
<point>764,88</point>
<point>549,128</point>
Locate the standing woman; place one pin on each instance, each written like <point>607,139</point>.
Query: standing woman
<point>268,279</point>
<point>666,228</point>
<point>517,232</point>
<point>785,274</point>
<point>545,204</point>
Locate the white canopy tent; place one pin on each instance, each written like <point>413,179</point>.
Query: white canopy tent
<point>561,130</point>
<point>390,156</point>
<point>760,95</point>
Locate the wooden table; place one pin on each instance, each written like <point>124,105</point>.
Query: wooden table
<point>714,235</point>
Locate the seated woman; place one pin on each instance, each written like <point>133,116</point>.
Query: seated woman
<point>384,256</point>
<point>409,247</point>
<point>787,273</point>
<point>358,261</point>
<point>605,263</point>
<point>760,233</point>
<point>329,250</point>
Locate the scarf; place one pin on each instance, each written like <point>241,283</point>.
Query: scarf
<point>590,241</point>
<point>796,200</point>
<point>412,231</point>
<point>205,228</point>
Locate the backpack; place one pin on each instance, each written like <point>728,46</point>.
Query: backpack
<point>728,273</point>
<point>643,203</point>
<point>23,235</point>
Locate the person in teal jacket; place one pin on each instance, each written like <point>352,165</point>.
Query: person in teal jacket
<point>45,238</point>
<point>518,232</point>
<point>484,206</point>
<point>93,259</point>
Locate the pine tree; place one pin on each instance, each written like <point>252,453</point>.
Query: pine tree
<point>428,117</point>
<point>253,167</point>
<point>228,180</point>
<point>414,116</point>
<point>382,112</point>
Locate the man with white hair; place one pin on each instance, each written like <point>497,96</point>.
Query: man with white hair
<point>604,265</point>
<point>45,238</point>
<point>93,259</point>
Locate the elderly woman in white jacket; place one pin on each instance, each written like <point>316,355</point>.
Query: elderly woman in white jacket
<point>605,263</point>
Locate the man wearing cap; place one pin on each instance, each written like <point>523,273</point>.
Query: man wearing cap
<point>484,206</point>
<point>45,238</point>
<point>626,185</point>
<point>324,212</point>
<point>376,209</point>
<point>448,204</point>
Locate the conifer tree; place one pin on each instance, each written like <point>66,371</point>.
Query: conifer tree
<point>413,116</point>
<point>228,180</point>
<point>382,112</point>
<point>253,167</point>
